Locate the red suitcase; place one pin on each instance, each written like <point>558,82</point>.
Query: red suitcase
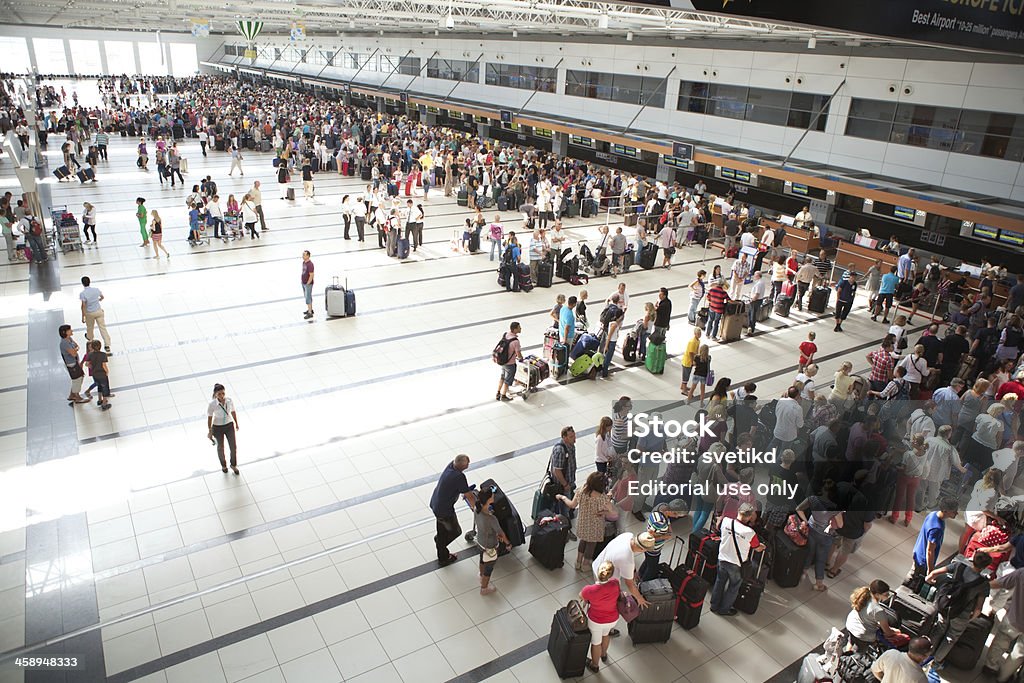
<point>408,185</point>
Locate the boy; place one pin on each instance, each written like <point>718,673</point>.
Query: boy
<point>807,351</point>
<point>194,237</point>
<point>96,359</point>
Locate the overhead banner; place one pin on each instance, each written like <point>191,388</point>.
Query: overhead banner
<point>991,25</point>
<point>200,28</point>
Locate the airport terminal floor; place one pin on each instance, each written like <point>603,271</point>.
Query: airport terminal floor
<point>316,562</point>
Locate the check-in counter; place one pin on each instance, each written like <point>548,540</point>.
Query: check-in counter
<point>972,286</point>
<point>862,258</point>
<point>797,239</point>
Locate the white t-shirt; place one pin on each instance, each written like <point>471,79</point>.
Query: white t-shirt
<point>744,535</point>
<point>897,667</point>
<point>221,414</point>
<point>620,553</point>
<point>805,393</point>
<point>789,417</point>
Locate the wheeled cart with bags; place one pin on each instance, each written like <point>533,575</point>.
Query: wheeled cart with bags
<point>530,372</point>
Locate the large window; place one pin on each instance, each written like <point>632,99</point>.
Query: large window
<point>184,60</point>
<point>409,66</point>
<point>85,55</point>
<point>967,131</point>
<point>616,87</point>
<point>15,52</point>
<point>453,70</point>
<point>761,105</point>
<point>151,59</point>
<point>50,56</point>
<point>539,78</point>
<point>121,57</point>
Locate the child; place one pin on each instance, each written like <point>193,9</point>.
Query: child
<point>97,362</point>
<point>807,351</point>
<point>194,238</point>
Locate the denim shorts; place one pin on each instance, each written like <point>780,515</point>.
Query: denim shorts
<point>308,291</point>
<point>508,373</point>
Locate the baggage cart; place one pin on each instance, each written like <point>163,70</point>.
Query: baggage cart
<point>65,233</point>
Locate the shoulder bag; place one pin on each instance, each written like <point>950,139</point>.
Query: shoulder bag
<point>746,566</point>
<point>629,608</point>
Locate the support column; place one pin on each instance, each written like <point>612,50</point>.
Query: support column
<point>138,60</point>
<point>67,56</point>
<point>32,56</point>
<point>560,143</point>
<point>104,67</point>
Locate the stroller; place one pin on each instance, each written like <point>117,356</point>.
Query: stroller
<point>594,264</point>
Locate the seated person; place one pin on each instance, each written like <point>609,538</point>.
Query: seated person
<point>868,623</point>
<point>586,344</point>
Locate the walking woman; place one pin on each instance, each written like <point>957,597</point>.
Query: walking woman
<point>602,613</point>
<point>249,217</point>
<point>156,233</point>
<point>488,536</point>
<point>141,215</point>
<point>282,176</point>
<point>221,424</point>
<point>593,507</point>
<point>89,222</point>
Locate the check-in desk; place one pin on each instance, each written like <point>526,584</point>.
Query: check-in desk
<point>862,258</point>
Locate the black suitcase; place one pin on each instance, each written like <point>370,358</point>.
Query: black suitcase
<point>560,359</point>
<point>819,300</point>
<point>749,596</point>
<point>290,194</point>
<point>547,542</point>
<point>525,280</point>
<point>500,505</point>
<point>219,144</point>
<point>702,555</point>
<point>917,616</point>
<point>545,274</point>
<point>504,271</point>
<point>629,348</point>
<point>967,651</point>
<point>689,587</point>
<point>654,624</point>
<point>402,250</point>
<point>62,172</point>
<point>86,174</point>
<point>474,242</point>
<point>463,198</point>
<point>502,203</point>
<point>788,561</point>
<point>366,173</point>
<point>568,648</point>
<point>783,304</point>
<point>647,256</point>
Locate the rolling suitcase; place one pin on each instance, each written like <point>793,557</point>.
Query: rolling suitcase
<point>764,310</point>
<point>732,326</point>
<point>504,271</point>
<point>647,256</point>
<point>588,365</point>
<point>463,198</point>
<point>751,590</point>
<point>690,589</point>
<point>569,644</point>
<point>265,146</point>
<point>628,260</point>
<point>350,170</point>
<point>967,650</point>
<point>702,555</point>
<point>629,348</point>
<point>917,616</point>
<point>402,250</point>
<point>782,305</point>
<point>654,624</point>
<point>335,300</point>
<point>818,302</point>
<point>525,281</point>
<point>811,671</point>
<point>62,172</point>
<point>545,273</point>
<point>291,194</point>
<point>408,185</point>
<point>474,242</point>
<point>788,561</point>
<point>547,542</point>
<point>86,174</point>
<point>366,173</point>
<point>655,361</point>
<point>560,359</point>
<point>550,339</point>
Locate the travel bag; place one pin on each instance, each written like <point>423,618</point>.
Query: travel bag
<point>654,624</point>
<point>545,273</point>
<point>547,542</point>
<point>569,642</point>
<point>782,305</point>
<point>560,359</point>
<point>402,249</point>
<point>645,259</point>
<point>629,347</point>
<point>966,652</point>
<point>62,172</point>
<point>811,671</point>
<point>818,302</point>
<point>749,596</point>
<point>337,300</point>
<point>86,174</point>
<point>917,616</point>
<point>655,361</point>
<point>702,554</point>
<point>788,561</point>
<point>463,198</point>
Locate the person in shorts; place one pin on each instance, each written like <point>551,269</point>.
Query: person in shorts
<point>488,536</point>
<point>508,369</point>
<point>307,283</point>
<point>97,361</point>
<point>692,347</point>
<point>602,612</point>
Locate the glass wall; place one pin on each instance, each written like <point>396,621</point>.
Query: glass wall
<point>151,61</point>
<point>616,87</point>
<point>50,57</point>
<point>85,56</point>
<point>120,57</point>
<point>761,105</point>
<point>454,70</point>
<point>184,60</point>
<point>963,131</point>
<point>15,52</point>
<point>539,78</point>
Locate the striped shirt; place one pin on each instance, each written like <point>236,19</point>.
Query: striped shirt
<point>102,139</point>
<point>717,298</point>
<point>823,265</point>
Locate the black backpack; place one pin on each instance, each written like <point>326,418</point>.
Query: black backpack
<point>506,256</point>
<point>610,313</point>
<point>955,595</point>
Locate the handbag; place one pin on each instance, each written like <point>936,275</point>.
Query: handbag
<point>76,371</point>
<point>795,530</point>
<point>577,615</point>
<point>629,608</point>
<point>710,379</point>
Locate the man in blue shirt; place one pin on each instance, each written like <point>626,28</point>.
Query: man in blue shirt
<point>846,290</point>
<point>906,265</point>
<point>929,539</point>
<point>886,292</point>
<point>567,322</point>
<point>450,486</point>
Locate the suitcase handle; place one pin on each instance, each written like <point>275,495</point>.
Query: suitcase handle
<point>678,545</point>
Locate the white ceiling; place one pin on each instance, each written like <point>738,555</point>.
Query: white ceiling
<point>570,18</point>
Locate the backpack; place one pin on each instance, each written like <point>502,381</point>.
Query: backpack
<point>506,256</point>
<point>500,354</point>
<point>36,227</point>
<point>610,313</point>
<point>954,595</point>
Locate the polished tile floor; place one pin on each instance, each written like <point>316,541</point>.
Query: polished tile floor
<point>316,563</point>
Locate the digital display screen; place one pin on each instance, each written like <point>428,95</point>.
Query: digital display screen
<point>743,176</point>
<point>682,150</point>
<point>1014,238</point>
<point>728,173</point>
<point>481,119</point>
<point>506,116</point>
<point>582,141</point>
<point>904,213</point>
<point>433,110</point>
<point>800,189</point>
<point>625,151</point>
<point>404,96</point>
<point>543,132</point>
<point>677,163</point>
<point>985,232</point>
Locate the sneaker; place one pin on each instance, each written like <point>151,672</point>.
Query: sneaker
<point>447,561</point>
<point>728,613</point>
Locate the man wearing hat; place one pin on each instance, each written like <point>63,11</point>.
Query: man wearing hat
<point>659,525</point>
<point>738,540</point>
<point>621,552</point>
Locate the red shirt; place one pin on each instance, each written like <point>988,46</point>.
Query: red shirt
<point>1010,387</point>
<point>988,537</point>
<point>807,349</point>
<point>603,599</point>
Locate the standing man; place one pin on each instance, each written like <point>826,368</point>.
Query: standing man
<point>567,322</point>
<point>740,273</point>
<point>886,292</point>
<point>307,283</point>
<point>738,541</point>
<point>846,290</point>
<point>359,216</point>
<point>236,160</point>
<point>804,277</point>
<point>906,265</point>
<point>929,539</point>
<point>451,484</point>
<point>562,467</point>
<point>102,140</point>
<point>789,419</point>
<point>92,312</point>
<point>802,218</point>
<point>33,231</point>
<point>257,200</point>
<point>757,293</point>
<point>662,313</point>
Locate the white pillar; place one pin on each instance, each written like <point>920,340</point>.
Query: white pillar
<point>67,56</point>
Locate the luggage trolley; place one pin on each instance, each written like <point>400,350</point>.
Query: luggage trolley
<point>65,232</point>
<point>530,372</point>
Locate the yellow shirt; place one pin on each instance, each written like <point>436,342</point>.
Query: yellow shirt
<point>426,162</point>
<point>692,347</point>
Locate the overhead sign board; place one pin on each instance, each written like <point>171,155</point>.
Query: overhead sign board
<point>993,25</point>
<point>682,150</point>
